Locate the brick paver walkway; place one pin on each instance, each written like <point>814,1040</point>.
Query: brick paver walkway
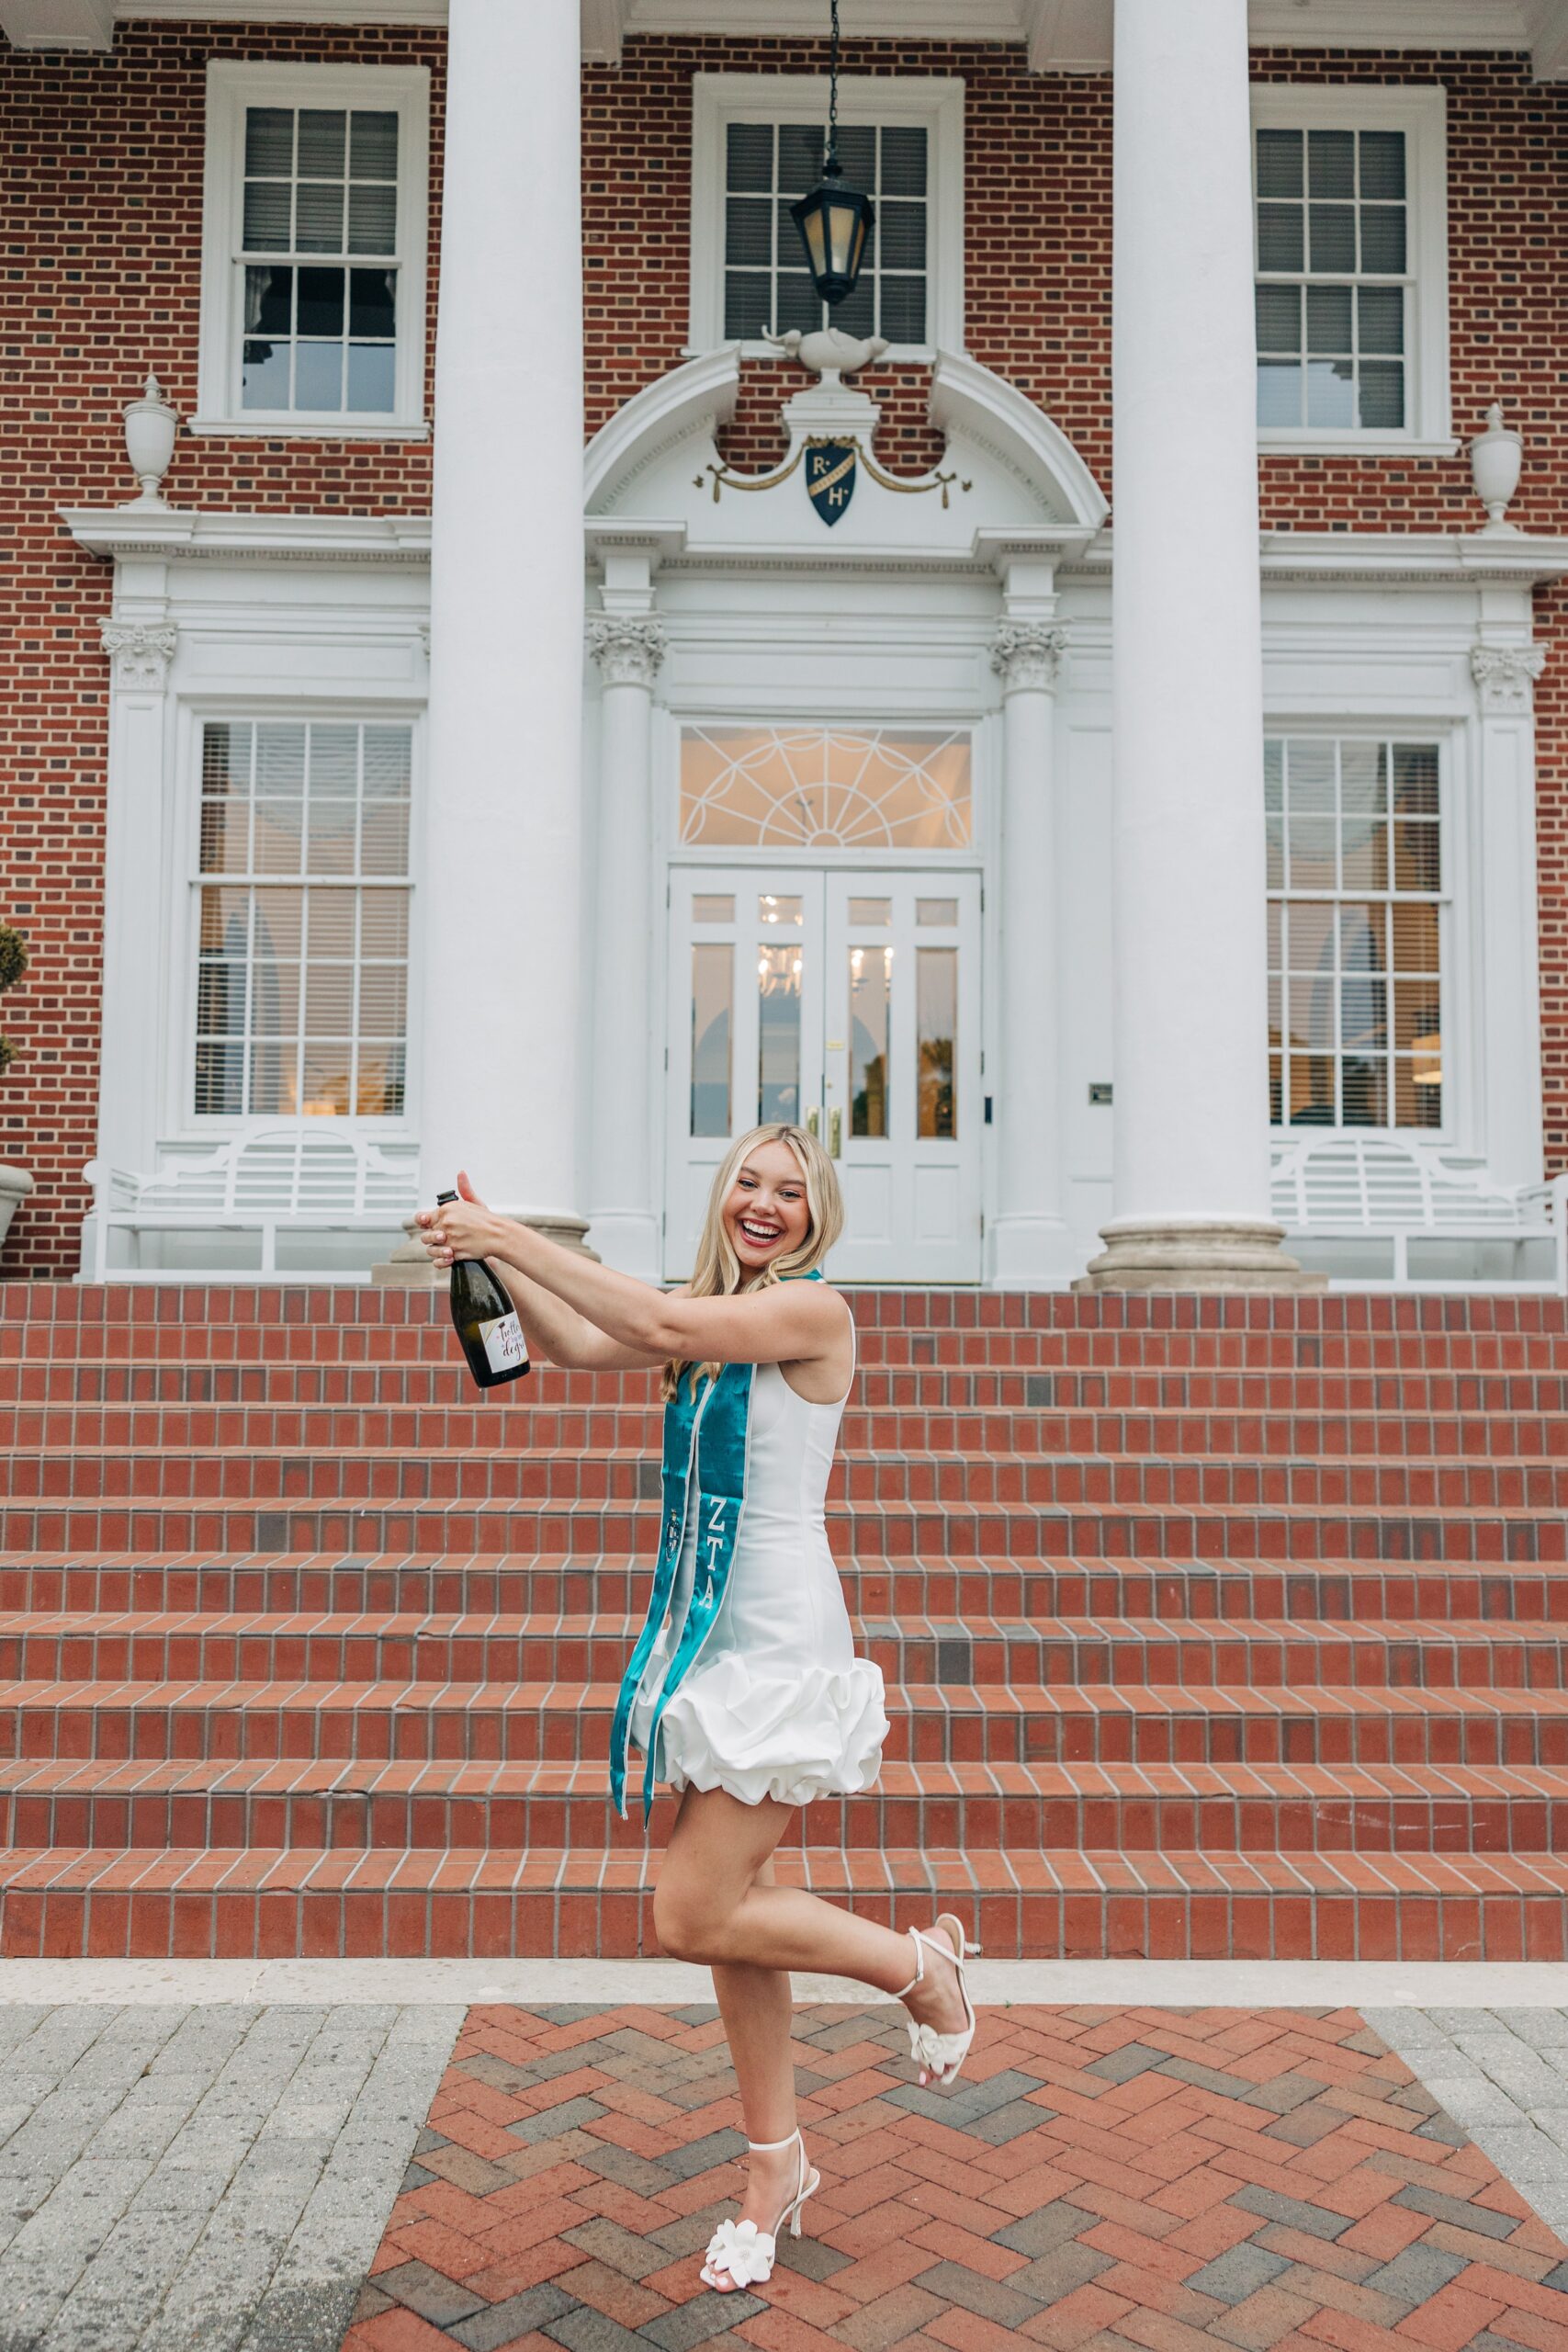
<point>1102,2178</point>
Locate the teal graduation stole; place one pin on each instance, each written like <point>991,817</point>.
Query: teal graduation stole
<point>706,1440</point>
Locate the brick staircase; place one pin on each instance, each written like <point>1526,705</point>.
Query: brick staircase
<point>1211,1628</point>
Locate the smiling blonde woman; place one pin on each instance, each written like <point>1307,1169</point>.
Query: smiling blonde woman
<point>744,1694</point>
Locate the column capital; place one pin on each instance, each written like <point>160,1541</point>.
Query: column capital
<point>141,653</point>
<point>1026,655</point>
<point>1505,677</point>
<point>628,650</point>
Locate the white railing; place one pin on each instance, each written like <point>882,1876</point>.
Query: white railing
<point>301,1176</point>
<point>1360,1188</point>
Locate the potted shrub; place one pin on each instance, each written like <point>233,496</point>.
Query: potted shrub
<point>15,1182</point>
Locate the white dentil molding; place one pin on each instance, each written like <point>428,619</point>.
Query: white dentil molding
<point>1027,655</point>
<point>628,650</point>
<point>1505,677</point>
<point>139,653</point>
<point>207,535</point>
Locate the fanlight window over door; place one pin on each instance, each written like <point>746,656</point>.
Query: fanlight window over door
<point>826,787</point>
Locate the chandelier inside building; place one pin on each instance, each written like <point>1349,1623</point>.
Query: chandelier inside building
<point>835,221</point>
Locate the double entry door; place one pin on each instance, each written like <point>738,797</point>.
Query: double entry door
<point>848,1003</point>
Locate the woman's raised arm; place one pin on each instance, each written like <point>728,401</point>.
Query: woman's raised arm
<point>785,1323</point>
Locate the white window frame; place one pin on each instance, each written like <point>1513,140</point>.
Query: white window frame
<point>934,102</point>
<point>1421,113</point>
<point>1459,961</point>
<point>183,1123</point>
<point>231,86</point>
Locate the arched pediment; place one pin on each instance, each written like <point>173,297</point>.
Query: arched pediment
<point>1006,468</point>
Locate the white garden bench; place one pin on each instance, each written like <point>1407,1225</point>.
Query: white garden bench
<point>1379,1196</point>
<point>312,1176</point>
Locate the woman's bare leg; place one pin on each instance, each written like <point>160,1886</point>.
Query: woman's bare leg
<point>715,1903</point>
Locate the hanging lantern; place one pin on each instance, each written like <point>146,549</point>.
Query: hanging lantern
<point>834,221</point>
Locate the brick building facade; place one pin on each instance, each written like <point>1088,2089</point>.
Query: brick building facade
<point>105,164</point>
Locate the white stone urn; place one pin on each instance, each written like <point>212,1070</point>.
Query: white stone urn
<point>14,1185</point>
<point>1495,457</point>
<point>149,428</point>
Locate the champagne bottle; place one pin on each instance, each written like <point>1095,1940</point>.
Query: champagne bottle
<point>487,1322</point>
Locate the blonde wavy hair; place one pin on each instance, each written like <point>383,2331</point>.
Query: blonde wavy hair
<point>717,1272</point>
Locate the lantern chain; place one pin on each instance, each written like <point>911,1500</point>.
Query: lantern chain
<point>834,88</point>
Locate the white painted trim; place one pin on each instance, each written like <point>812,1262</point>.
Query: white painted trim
<point>1421,113</point>
<point>309,432</point>
<point>603,30</point>
<point>231,86</point>
<point>974,400</point>
<point>209,533</point>
<point>1285,441</point>
<point>694,398</point>
<point>933,100</point>
<point>58,24</point>
<point>1395,558</point>
<point>1064,36</point>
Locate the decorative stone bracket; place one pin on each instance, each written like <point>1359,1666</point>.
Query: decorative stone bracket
<point>628,650</point>
<point>141,653</point>
<point>1026,655</point>
<point>1504,676</point>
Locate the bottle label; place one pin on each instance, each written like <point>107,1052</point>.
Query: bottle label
<point>502,1337</point>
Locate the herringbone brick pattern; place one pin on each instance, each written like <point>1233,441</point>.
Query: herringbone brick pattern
<point>1101,2178</point>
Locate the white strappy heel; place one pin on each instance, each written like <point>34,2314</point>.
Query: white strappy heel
<point>742,2252</point>
<point>941,2054</point>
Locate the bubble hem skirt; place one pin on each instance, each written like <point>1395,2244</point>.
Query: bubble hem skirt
<point>791,1737</point>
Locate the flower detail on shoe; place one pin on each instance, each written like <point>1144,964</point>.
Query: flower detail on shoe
<point>935,2052</point>
<point>743,2252</point>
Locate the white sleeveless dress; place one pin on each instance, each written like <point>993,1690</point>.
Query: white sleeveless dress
<point>777,1704</point>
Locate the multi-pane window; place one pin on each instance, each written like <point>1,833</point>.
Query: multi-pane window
<point>768,165</point>
<point>1355,892</point>
<point>302,919</point>
<point>319,250</point>
<point>1335,284</point>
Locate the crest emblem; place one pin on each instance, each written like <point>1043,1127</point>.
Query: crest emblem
<point>831,477</point>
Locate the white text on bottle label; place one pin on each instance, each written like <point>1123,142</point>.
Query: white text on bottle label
<point>502,1338</point>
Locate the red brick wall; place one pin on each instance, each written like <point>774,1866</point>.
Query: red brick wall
<point>102,164</point>
<point>103,156</point>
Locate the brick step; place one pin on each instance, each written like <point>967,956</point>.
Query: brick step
<point>216,1322</point>
<point>564,1723</point>
<point>389,1476</point>
<point>427,1651</point>
<point>429,1344</point>
<point>958,1595</point>
<point>312,1302</point>
<point>618,1435</point>
<point>445,1903</point>
<point>522,1808</point>
<point>57,1384</point>
<point>889,1529</point>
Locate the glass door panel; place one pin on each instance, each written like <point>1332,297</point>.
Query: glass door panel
<point>745,1024</point>
<point>849,1002</point>
<point>903,1073</point>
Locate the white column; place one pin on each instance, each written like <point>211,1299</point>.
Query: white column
<point>1508,1057</point>
<point>1031,1246</point>
<point>623,1220</point>
<point>501,881</point>
<point>140,642</point>
<point>1191,1138</point>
